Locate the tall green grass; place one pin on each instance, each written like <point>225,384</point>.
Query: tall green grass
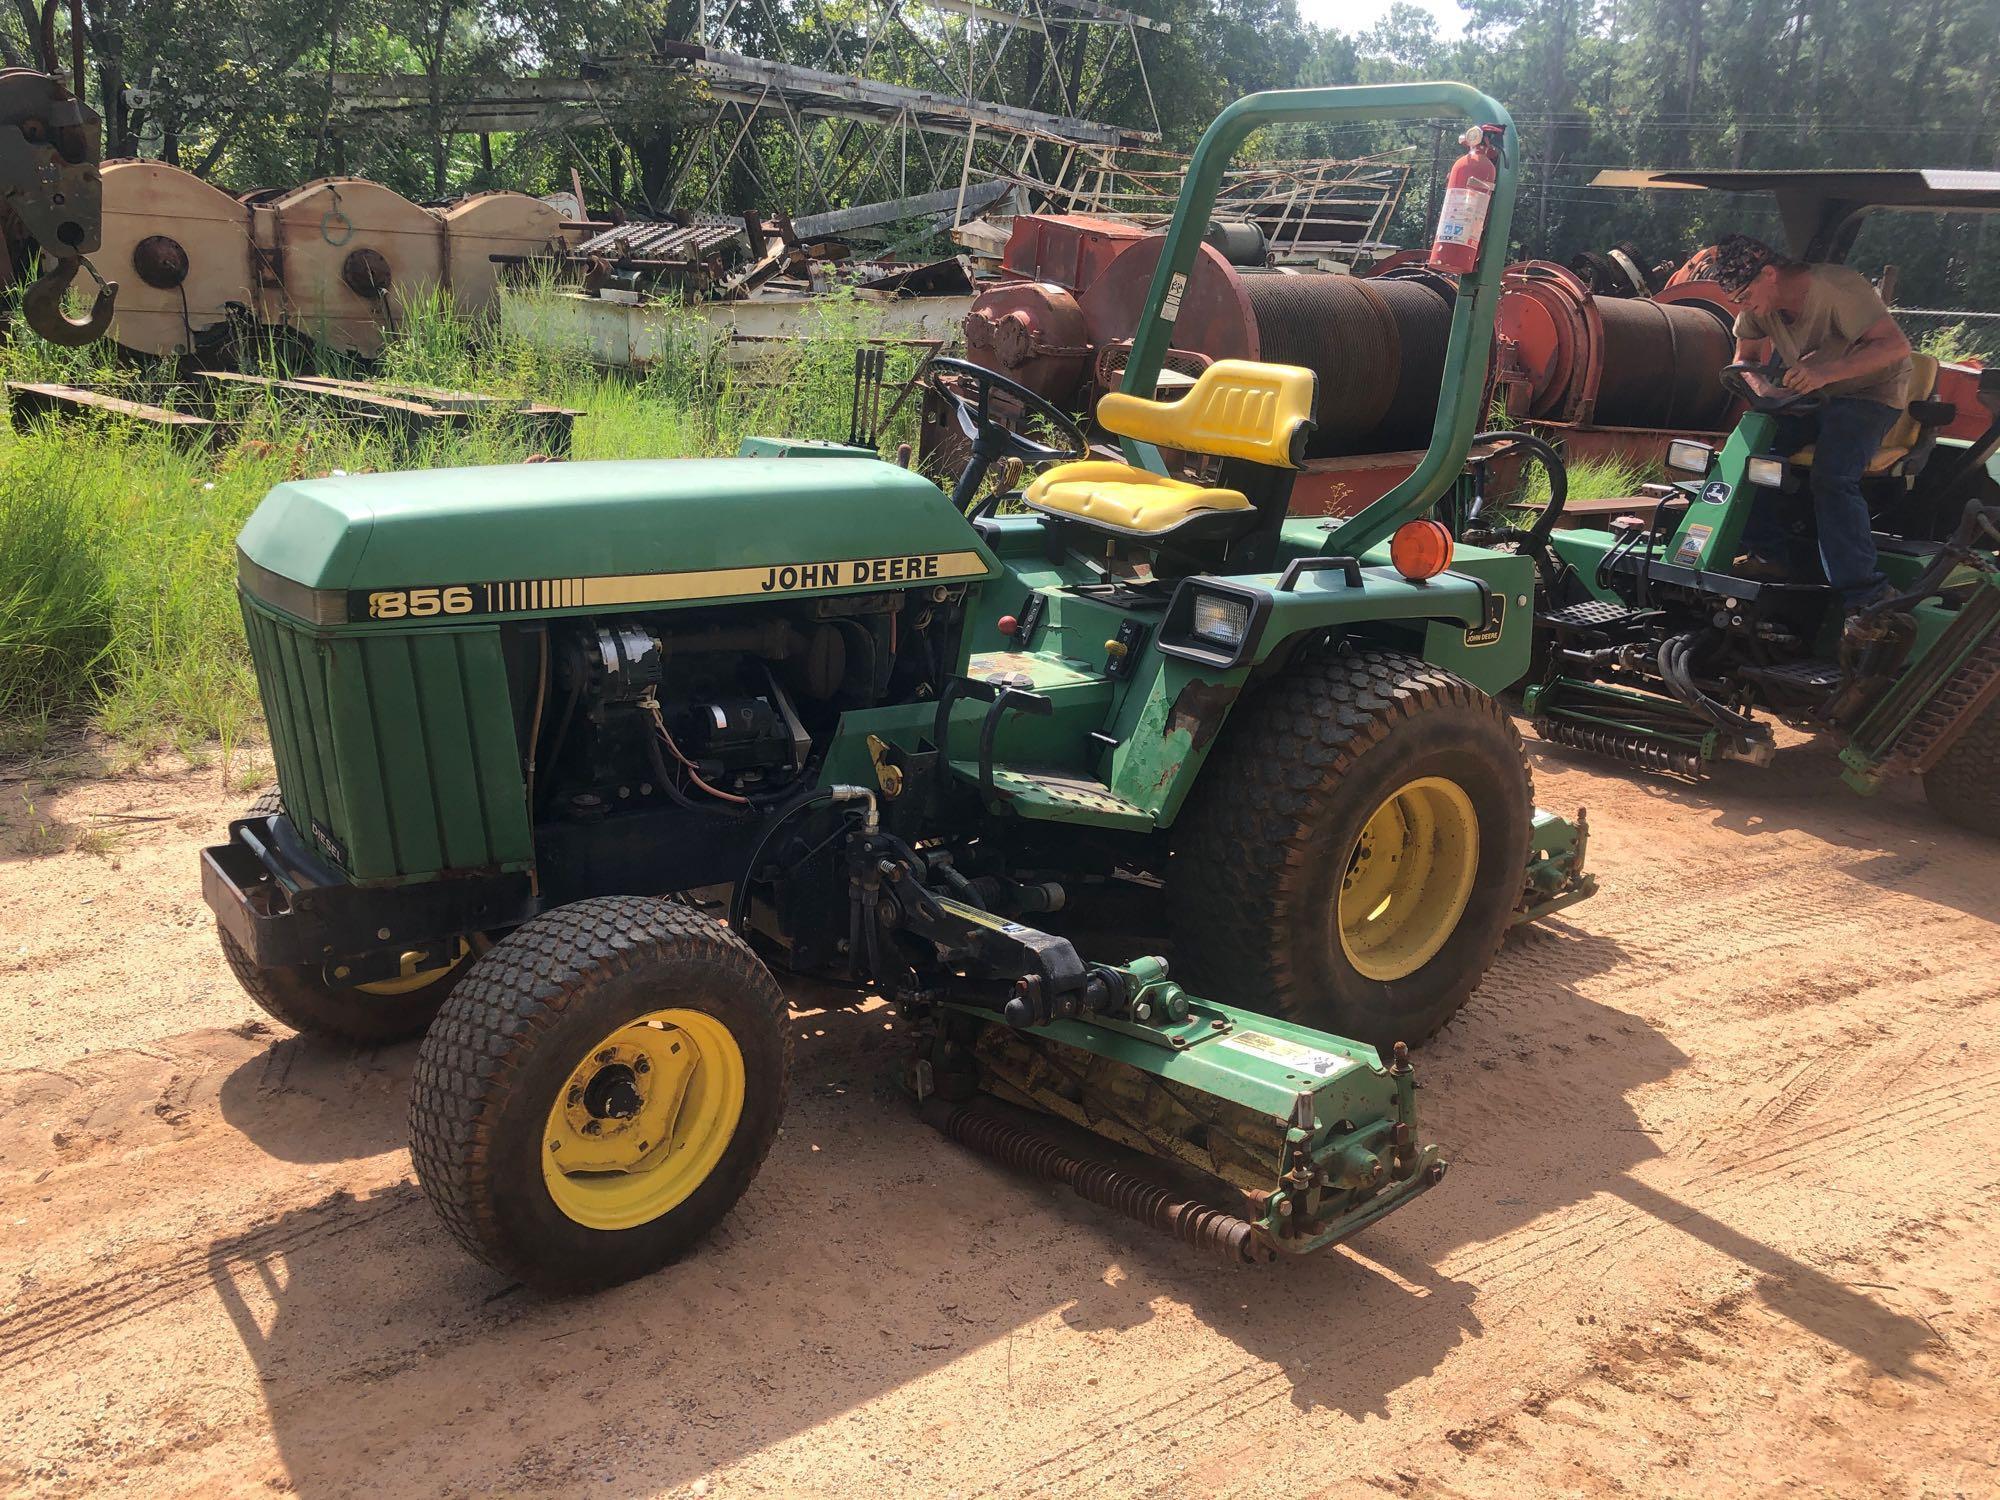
<point>1610,478</point>
<point>117,564</point>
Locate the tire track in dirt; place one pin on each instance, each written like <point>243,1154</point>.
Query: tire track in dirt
<point>1097,1452</point>
<point>73,1313</point>
<point>1609,1227</point>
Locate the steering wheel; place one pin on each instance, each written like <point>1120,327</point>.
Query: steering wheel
<point>1735,380</point>
<point>991,439</point>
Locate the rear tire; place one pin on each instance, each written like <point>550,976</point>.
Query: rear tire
<point>302,999</point>
<point>1359,774</point>
<point>632,1030</point>
<point>1964,786</point>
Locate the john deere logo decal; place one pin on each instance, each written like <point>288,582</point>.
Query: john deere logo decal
<point>1488,632</point>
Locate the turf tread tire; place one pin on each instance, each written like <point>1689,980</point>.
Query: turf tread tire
<point>1252,841</point>
<point>1964,785</point>
<point>503,1019</point>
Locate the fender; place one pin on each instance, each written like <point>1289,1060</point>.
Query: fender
<point>1474,619</point>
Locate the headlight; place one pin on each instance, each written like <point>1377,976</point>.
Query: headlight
<point>1220,620</point>
<point>1689,457</point>
<point>1768,473</point>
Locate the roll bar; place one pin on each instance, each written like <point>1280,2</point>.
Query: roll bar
<point>1463,388</point>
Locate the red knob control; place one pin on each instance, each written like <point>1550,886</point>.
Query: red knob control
<point>1009,625</point>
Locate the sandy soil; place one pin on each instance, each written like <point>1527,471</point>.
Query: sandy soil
<point>1721,1220</point>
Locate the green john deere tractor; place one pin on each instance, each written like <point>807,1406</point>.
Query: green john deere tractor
<point>1656,652</point>
<point>523,715</point>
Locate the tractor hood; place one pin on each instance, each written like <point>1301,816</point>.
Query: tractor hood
<point>526,539</point>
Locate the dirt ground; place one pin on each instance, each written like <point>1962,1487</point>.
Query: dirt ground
<point>1721,1221</point>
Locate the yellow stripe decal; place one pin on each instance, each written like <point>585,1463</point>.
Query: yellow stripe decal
<point>515,596</point>
<point>723,583</point>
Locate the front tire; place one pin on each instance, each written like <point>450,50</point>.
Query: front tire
<point>368,1015</point>
<point>600,1091</point>
<point>1353,855</point>
<point>1964,786</point>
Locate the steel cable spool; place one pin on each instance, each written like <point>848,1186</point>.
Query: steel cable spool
<point>1660,363</point>
<point>1377,344</point>
<point>1345,332</point>
<point>1423,318</point>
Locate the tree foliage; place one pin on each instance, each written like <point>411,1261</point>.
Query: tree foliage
<point>238,91</point>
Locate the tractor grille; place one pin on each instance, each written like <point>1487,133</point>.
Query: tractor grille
<point>1918,719</point>
<point>396,752</point>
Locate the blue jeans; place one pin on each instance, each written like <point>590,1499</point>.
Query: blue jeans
<point>1845,434</point>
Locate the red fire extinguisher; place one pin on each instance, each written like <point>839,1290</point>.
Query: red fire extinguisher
<point>1467,195</point>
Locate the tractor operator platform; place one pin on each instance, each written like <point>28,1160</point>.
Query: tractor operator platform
<point>1835,338</point>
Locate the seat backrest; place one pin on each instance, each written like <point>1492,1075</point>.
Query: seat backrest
<point>1923,383</point>
<point>1238,408</point>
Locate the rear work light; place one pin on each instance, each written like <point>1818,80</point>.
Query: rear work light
<point>1420,549</point>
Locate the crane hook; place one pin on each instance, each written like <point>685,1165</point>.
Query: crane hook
<point>42,304</point>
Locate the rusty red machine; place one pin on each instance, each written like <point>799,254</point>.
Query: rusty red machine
<point>1062,322</point>
<point>1603,375</point>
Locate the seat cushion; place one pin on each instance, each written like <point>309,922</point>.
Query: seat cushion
<point>1904,435</point>
<point>1124,498</point>
<point>1885,459</point>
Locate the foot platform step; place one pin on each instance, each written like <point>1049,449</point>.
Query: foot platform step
<point>1816,676</point>
<point>1593,614</point>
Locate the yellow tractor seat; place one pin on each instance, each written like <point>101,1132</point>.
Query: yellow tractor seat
<point>1124,498</point>
<point>1898,442</point>
<point>1237,409</point>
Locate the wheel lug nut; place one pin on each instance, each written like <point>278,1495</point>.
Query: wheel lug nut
<point>576,1096</point>
<point>642,1066</point>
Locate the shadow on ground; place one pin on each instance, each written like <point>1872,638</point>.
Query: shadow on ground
<point>871,1254</point>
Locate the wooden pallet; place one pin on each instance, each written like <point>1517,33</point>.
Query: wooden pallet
<point>31,401</point>
<point>411,408</point>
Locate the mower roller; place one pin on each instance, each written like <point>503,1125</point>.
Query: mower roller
<point>572,757</point>
<point>1656,651</point>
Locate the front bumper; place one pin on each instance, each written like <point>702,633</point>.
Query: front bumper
<point>284,907</point>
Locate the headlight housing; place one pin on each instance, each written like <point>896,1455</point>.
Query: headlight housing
<point>1689,456</point>
<point>1766,473</point>
<point>1214,621</point>
<point>1220,619</point>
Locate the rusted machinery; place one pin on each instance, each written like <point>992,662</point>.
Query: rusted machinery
<point>1603,374</point>
<point>1611,374</point>
<point>1377,344</point>
<point>336,260</point>
<point>49,198</point>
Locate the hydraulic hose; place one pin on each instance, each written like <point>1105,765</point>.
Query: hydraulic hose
<point>1552,465</point>
<point>1675,666</point>
<point>739,897</point>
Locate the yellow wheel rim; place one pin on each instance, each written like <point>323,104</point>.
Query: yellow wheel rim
<point>643,1118</point>
<point>1408,878</point>
<point>413,978</point>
